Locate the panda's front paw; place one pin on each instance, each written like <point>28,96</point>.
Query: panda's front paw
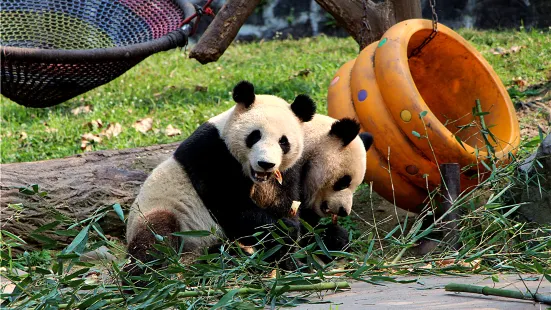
<point>293,225</point>
<point>290,264</point>
<point>335,237</point>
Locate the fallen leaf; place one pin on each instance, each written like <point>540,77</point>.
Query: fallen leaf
<point>50,130</point>
<point>520,82</point>
<point>91,137</point>
<point>201,88</point>
<point>171,131</point>
<point>112,130</point>
<point>515,49</point>
<point>81,109</point>
<point>502,51</point>
<point>85,145</point>
<point>143,125</point>
<point>445,262</point>
<point>22,136</point>
<point>303,73</point>
<point>93,124</point>
<point>97,123</point>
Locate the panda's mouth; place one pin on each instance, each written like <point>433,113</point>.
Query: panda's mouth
<point>260,177</point>
<point>325,208</point>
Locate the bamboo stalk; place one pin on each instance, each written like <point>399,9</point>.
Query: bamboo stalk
<point>469,288</point>
<point>247,290</point>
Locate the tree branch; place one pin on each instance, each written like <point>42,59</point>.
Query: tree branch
<point>222,30</point>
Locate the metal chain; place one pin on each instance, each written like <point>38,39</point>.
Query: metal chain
<point>431,36</point>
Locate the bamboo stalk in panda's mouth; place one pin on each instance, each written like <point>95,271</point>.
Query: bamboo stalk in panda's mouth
<point>278,176</point>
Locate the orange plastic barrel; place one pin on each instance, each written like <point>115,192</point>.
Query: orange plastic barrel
<point>432,94</point>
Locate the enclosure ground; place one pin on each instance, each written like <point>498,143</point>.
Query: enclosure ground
<point>428,293</point>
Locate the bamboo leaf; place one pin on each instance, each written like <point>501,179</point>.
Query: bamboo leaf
<point>415,133</point>
<point>82,237</point>
<point>192,233</point>
<point>460,142</point>
<point>68,232</point>
<point>226,299</point>
<point>118,210</point>
<point>271,251</point>
<point>322,246</point>
<point>14,237</point>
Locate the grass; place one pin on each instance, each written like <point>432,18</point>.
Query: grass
<point>163,87</point>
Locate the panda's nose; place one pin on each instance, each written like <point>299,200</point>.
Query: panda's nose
<point>265,165</point>
<point>342,212</point>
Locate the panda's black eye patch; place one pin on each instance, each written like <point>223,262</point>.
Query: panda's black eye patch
<point>252,138</point>
<point>342,183</point>
<point>284,144</point>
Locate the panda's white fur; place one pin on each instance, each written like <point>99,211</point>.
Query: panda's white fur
<point>273,123</point>
<point>206,183</point>
<point>328,161</point>
<point>332,167</point>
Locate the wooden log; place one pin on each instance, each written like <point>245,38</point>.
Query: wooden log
<point>76,187</point>
<point>451,190</point>
<point>223,30</point>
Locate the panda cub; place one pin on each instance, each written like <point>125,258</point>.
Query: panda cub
<point>332,167</point>
<point>207,182</point>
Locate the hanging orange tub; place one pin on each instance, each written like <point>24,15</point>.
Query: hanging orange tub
<point>421,110</point>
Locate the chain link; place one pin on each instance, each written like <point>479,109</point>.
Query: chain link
<point>431,36</point>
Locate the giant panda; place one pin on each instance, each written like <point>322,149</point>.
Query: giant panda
<point>207,182</point>
<point>332,167</point>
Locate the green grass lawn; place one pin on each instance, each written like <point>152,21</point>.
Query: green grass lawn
<point>163,87</point>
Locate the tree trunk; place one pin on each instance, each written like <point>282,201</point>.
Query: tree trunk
<point>365,20</point>
<point>76,187</point>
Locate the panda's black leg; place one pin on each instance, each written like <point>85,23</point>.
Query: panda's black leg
<point>246,224</point>
<point>163,223</point>
<point>334,237</point>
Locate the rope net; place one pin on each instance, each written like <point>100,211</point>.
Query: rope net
<point>34,79</point>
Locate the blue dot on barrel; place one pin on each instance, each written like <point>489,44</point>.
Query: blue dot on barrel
<point>362,94</point>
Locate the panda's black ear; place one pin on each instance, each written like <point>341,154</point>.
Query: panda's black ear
<point>367,139</point>
<point>304,108</point>
<point>243,93</point>
<point>345,129</point>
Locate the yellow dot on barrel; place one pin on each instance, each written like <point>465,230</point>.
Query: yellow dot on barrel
<point>405,115</point>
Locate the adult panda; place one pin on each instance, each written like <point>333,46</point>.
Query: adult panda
<point>332,167</point>
<point>207,182</point>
